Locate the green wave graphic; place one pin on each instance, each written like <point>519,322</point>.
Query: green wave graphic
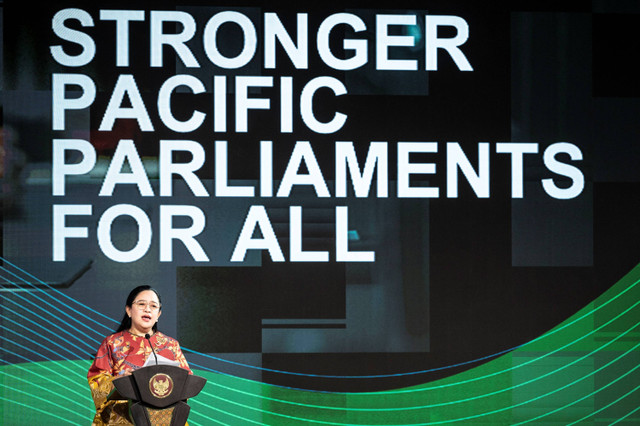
<point>585,370</point>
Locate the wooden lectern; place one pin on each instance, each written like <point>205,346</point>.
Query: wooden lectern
<point>157,394</point>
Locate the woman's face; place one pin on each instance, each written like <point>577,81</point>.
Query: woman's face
<point>144,312</point>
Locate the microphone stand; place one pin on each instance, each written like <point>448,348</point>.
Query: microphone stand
<point>148,337</point>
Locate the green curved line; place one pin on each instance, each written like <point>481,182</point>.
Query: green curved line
<point>551,332</point>
<point>521,384</point>
<point>463,418</point>
<point>548,393</point>
<point>29,320</point>
<point>547,334</point>
<point>35,409</point>
<point>532,360</point>
<point>29,349</point>
<point>479,415</point>
<point>592,393</point>
<point>625,416</point>
<point>20,379</point>
<point>583,316</point>
<point>280,414</point>
<point>209,419</point>
<point>41,399</point>
<point>36,305</point>
<point>607,406</point>
<point>413,408</point>
<point>228,414</point>
<point>467,381</point>
<point>42,365</point>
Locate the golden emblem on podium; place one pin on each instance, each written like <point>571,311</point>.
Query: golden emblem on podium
<point>161,385</point>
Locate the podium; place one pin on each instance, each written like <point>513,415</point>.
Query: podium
<point>157,394</point>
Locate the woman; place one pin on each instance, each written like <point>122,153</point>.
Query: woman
<point>127,350</point>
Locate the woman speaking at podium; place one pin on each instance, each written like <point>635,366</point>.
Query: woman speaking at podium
<point>129,348</point>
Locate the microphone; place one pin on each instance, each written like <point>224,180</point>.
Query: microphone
<point>148,337</point>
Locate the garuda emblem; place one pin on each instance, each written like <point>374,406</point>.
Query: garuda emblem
<point>161,385</point>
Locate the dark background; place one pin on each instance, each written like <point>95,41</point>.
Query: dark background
<point>455,280</point>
